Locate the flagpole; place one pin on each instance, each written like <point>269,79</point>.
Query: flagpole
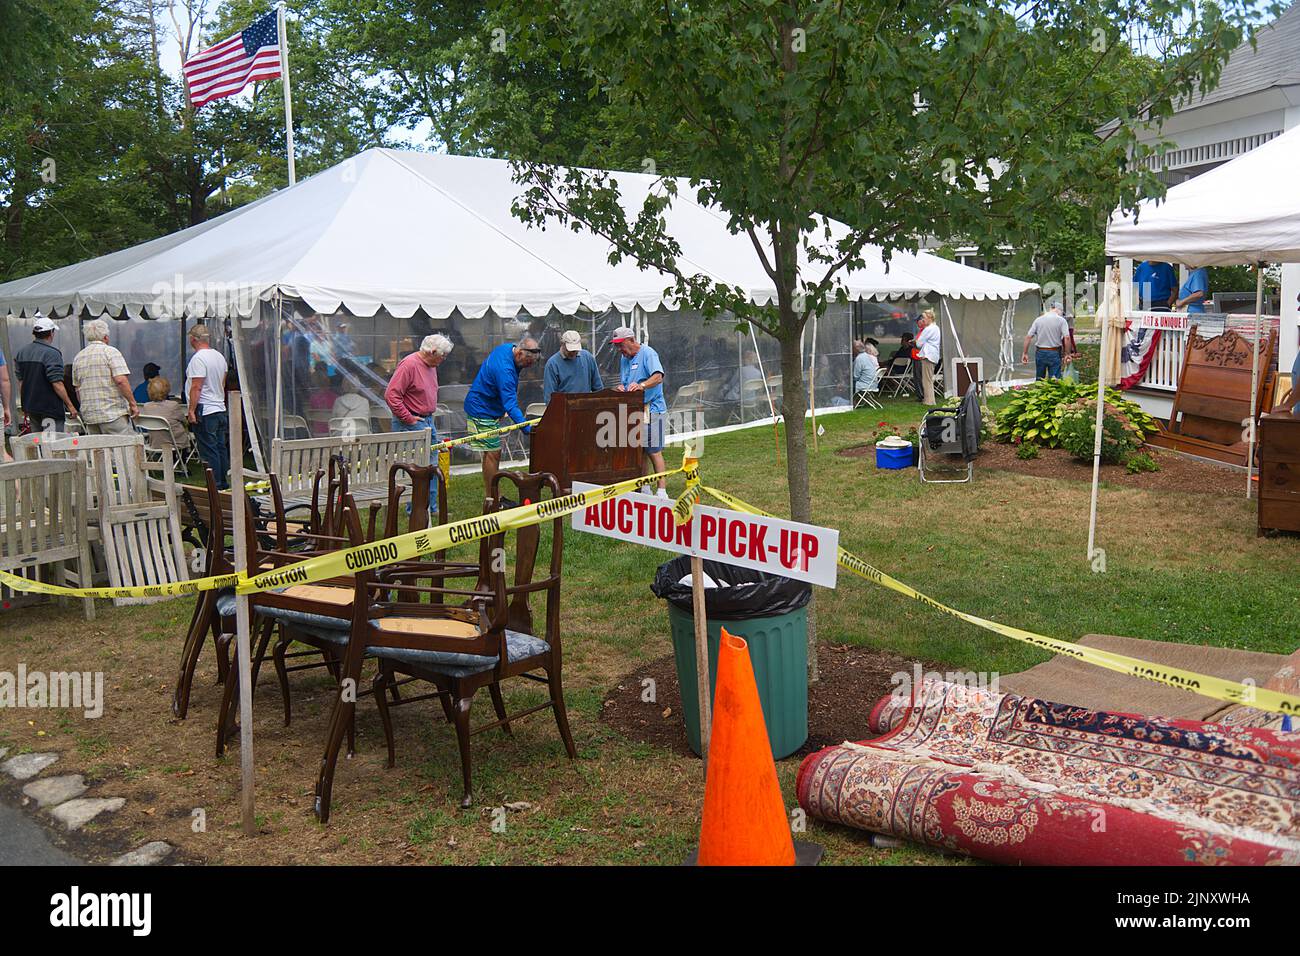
<point>288,96</point>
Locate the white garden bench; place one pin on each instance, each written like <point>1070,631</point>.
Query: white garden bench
<point>367,459</point>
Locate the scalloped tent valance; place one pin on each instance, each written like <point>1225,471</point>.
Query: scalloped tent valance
<point>404,231</point>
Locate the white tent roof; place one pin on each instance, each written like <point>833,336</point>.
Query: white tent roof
<point>1245,211</point>
<point>406,230</point>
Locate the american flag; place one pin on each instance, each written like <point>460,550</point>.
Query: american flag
<point>229,66</point>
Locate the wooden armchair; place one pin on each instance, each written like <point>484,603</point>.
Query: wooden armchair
<point>491,637</point>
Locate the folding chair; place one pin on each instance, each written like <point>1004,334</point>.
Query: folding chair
<point>896,379</point>
<point>949,432</point>
<point>159,438</point>
<point>866,397</point>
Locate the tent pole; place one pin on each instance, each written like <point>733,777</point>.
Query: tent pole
<point>277,428</point>
<point>243,645</point>
<point>1101,406</point>
<point>1254,377</point>
<point>771,407</point>
<point>812,381</point>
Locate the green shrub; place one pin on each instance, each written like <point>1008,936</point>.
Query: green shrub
<point>1026,451</point>
<point>1078,430</point>
<point>1034,412</point>
<point>1140,462</point>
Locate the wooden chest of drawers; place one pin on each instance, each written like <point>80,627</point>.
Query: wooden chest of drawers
<point>1279,472</point>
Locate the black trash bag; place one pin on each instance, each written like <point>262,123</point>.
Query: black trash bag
<point>751,593</point>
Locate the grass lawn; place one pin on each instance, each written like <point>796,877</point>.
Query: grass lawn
<point>1180,567</point>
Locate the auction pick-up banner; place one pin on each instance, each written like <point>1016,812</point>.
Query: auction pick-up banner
<point>803,552</point>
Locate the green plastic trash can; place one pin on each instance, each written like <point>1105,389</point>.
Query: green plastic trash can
<point>771,614</point>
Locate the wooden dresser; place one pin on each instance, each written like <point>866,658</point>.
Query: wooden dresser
<point>1279,472</point>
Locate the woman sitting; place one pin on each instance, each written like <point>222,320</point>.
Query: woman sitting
<point>866,367</point>
<point>160,405</point>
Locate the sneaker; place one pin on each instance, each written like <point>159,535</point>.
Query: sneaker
<point>662,493</point>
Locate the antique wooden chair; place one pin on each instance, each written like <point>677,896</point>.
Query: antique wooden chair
<point>489,638</point>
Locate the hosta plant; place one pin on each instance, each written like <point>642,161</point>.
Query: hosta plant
<point>1034,412</point>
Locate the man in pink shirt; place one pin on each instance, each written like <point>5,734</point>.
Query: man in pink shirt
<point>412,393</point>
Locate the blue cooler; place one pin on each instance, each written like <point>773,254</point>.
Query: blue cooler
<point>890,454</point>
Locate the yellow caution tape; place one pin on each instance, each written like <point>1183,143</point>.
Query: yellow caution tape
<point>487,434</point>
<point>1204,684</point>
<point>375,554</point>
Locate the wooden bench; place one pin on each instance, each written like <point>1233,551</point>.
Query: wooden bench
<point>1212,404</point>
<point>366,458</point>
<point>43,523</point>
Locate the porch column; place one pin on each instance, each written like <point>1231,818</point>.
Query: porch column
<point>1286,349</point>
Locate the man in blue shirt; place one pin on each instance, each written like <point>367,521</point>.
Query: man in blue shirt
<point>571,369</point>
<point>495,393</point>
<point>1194,293</point>
<point>639,370</point>
<point>1154,285</point>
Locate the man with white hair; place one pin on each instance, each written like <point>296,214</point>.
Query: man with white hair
<point>205,391</point>
<point>412,393</point>
<point>103,384</point>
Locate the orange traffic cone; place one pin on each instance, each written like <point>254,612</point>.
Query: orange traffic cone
<point>744,821</point>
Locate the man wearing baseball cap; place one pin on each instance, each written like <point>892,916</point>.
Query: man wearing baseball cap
<point>571,369</point>
<point>641,371</point>
<point>39,365</point>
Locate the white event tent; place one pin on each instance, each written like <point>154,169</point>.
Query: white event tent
<point>338,276</point>
<point>1245,212</point>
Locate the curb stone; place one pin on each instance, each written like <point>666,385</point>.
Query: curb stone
<point>26,766</point>
<point>151,854</point>
<point>49,791</point>
<point>76,813</point>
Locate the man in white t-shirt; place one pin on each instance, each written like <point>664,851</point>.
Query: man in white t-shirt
<point>205,388</point>
<point>928,344</point>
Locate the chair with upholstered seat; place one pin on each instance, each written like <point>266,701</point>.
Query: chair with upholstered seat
<point>491,637</point>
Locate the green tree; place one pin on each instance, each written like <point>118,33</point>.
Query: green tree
<point>902,119</point>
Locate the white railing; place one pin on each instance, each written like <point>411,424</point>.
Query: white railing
<point>1167,362</point>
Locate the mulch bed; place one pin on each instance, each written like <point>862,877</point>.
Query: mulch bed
<point>851,680</point>
<point>1177,472</point>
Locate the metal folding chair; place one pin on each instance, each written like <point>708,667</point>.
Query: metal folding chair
<point>897,378</point>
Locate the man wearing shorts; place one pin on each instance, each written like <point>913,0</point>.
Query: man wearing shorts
<point>641,371</point>
<point>495,394</point>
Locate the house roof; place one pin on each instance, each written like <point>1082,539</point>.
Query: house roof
<point>1274,62</point>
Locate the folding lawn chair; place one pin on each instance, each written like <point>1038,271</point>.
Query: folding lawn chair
<point>896,378</point>
<point>949,432</point>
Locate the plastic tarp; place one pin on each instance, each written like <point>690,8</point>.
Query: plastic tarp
<point>402,231</point>
<point>1245,211</point>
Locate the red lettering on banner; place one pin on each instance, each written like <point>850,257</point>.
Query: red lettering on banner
<point>591,515</point>
<point>683,531</point>
<point>810,549</point>
<point>708,529</point>
<point>789,548</point>
<point>665,528</point>
<point>757,549</point>
<point>735,539</point>
<point>624,516</point>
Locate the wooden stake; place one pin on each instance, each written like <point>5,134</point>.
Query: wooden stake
<point>243,651</point>
<point>702,681</point>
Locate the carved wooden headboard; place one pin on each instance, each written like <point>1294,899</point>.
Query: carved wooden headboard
<point>1213,399</point>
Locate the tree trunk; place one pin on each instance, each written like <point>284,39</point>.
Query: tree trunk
<point>794,406</point>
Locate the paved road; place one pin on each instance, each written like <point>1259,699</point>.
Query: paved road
<point>23,843</point>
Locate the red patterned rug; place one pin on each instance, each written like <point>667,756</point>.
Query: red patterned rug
<point>1020,780</point>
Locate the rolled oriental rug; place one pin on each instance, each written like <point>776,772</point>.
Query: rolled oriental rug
<point>1020,780</point>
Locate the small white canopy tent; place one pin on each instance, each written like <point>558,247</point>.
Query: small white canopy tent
<point>1245,212</point>
<point>392,233</point>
